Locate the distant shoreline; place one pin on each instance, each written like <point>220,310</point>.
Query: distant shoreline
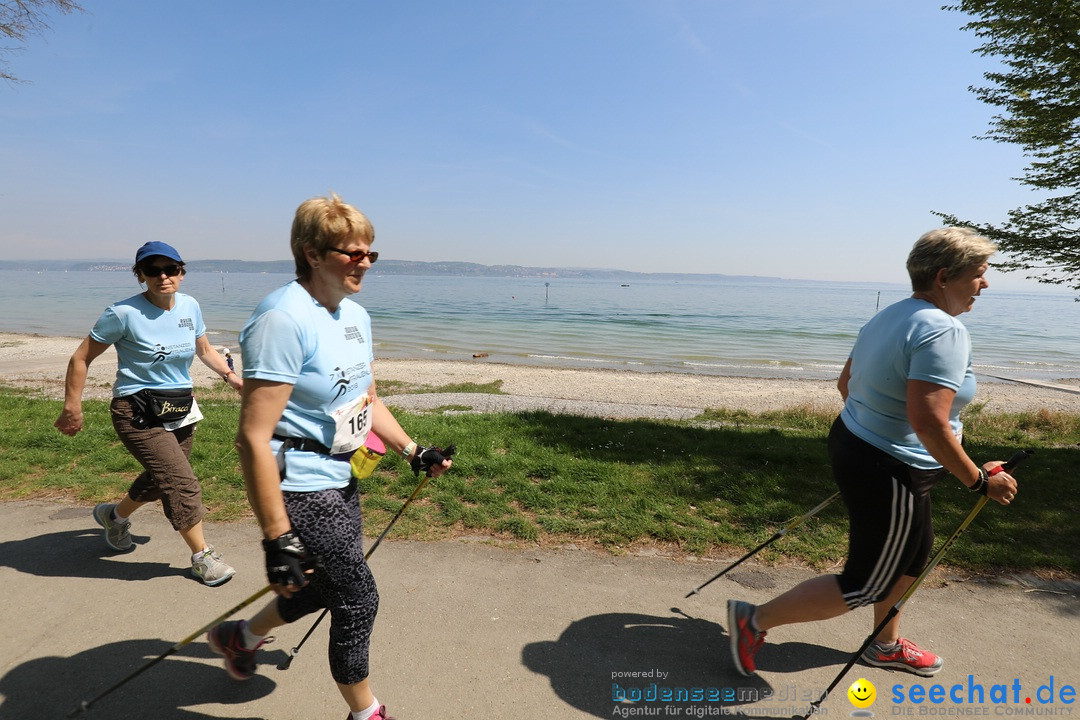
<point>388,266</point>
<point>40,362</point>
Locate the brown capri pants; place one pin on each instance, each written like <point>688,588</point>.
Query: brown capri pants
<point>165,455</point>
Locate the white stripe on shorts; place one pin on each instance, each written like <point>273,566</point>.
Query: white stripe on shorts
<point>900,520</point>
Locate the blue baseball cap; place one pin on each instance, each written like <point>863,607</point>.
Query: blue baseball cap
<point>157,248</point>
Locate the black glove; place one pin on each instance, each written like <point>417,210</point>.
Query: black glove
<point>287,559</point>
<point>426,457</point>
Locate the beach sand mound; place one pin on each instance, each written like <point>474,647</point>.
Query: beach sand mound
<point>39,362</point>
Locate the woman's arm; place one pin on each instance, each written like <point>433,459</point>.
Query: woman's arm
<point>261,406</point>
<point>389,430</point>
<point>70,421</point>
<point>928,407</point>
<point>842,381</point>
<point>212,359</point>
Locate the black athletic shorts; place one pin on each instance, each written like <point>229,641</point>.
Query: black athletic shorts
<point>888,503</point>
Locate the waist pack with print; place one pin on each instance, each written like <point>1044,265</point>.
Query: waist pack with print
<point>157,407</point>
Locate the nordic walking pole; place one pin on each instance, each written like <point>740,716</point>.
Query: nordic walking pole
<point>1015,460</point>
<point>779,534</point>
<point>86,704</point>
<point>423,481</point>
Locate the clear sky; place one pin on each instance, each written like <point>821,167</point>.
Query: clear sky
<point>791,138</point>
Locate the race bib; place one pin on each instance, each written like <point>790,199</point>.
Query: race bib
<point>193,416</point>
<point>352,422</point>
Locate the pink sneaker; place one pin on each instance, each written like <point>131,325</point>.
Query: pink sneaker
<point>226,640</point>
<point>380,714</point>
<point>906,655</point>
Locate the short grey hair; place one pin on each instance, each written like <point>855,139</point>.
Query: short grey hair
<point>953,249</point>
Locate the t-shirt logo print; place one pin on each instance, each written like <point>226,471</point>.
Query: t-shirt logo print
<point>160,353</point>
<point>341,382</point>
<point>352,333</point>
<point>186,323</point>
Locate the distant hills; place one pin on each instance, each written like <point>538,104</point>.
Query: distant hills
<point>383,267</point>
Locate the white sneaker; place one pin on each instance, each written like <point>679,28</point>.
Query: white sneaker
<point>210,568</point>
<point>117,534</point>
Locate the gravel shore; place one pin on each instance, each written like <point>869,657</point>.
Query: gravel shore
<point>41,362</point>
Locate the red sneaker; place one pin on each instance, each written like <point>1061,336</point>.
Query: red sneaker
<point>906,655</point>
<point>745,641</point>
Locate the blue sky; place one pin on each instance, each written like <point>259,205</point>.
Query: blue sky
<point>792,138</point>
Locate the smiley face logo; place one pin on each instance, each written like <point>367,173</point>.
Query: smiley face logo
<point>862,693</point>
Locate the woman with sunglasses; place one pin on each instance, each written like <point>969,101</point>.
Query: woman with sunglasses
<point>157,334</point>
<point>309,402</point>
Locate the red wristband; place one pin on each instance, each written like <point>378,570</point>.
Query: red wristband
<point>995,471</point>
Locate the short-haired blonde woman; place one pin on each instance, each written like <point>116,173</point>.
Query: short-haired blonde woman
<point>907,379</point>
<point>309,402</point>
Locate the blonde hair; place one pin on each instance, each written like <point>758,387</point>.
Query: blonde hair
<point>953,249</point>
<point>324,222</point>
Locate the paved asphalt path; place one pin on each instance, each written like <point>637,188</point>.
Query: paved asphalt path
<point>470,629</point>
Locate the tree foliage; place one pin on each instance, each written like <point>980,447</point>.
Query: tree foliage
<point>1037,91</point>
<point>19,19</point>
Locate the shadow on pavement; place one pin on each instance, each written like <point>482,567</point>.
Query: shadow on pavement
<point>594,661</point>
<point>53,687</point>
<point>592,664</point>
<point>83,554</point>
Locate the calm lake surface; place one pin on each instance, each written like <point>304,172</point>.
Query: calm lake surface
<point>734,326</point>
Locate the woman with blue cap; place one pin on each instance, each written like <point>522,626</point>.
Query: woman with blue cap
<point>157,333</point>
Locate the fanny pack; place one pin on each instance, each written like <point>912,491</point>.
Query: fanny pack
<point>157,407</point>
<point>362,461</point>
<point>367,456</point>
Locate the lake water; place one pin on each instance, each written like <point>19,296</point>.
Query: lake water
<point>735,326</point>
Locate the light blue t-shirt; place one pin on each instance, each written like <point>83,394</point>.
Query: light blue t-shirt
<point>910,340</point>
<point>326,357</point>
<point>154,347</point>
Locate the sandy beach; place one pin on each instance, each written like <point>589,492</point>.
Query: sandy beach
<point>40,362</point>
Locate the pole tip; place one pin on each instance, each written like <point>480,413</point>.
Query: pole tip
<point>83,707</point>
<point>692,592</point>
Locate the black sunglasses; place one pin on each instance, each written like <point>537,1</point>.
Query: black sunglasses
<point>357,256</point>
<point>155,271</point>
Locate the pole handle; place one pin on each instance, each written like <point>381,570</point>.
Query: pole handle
<point>1018,457</point>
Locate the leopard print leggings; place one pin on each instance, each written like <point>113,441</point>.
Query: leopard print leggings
<point>328,522</point>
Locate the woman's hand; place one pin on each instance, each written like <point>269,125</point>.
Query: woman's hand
<point>1001,486</point>
<point>287,563</point>
<point>431,461</point>
<point>70,421</point>
<point>437,470</point>
<point>234,381</point>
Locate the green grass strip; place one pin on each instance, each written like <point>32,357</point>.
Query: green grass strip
<point>724,482</point>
